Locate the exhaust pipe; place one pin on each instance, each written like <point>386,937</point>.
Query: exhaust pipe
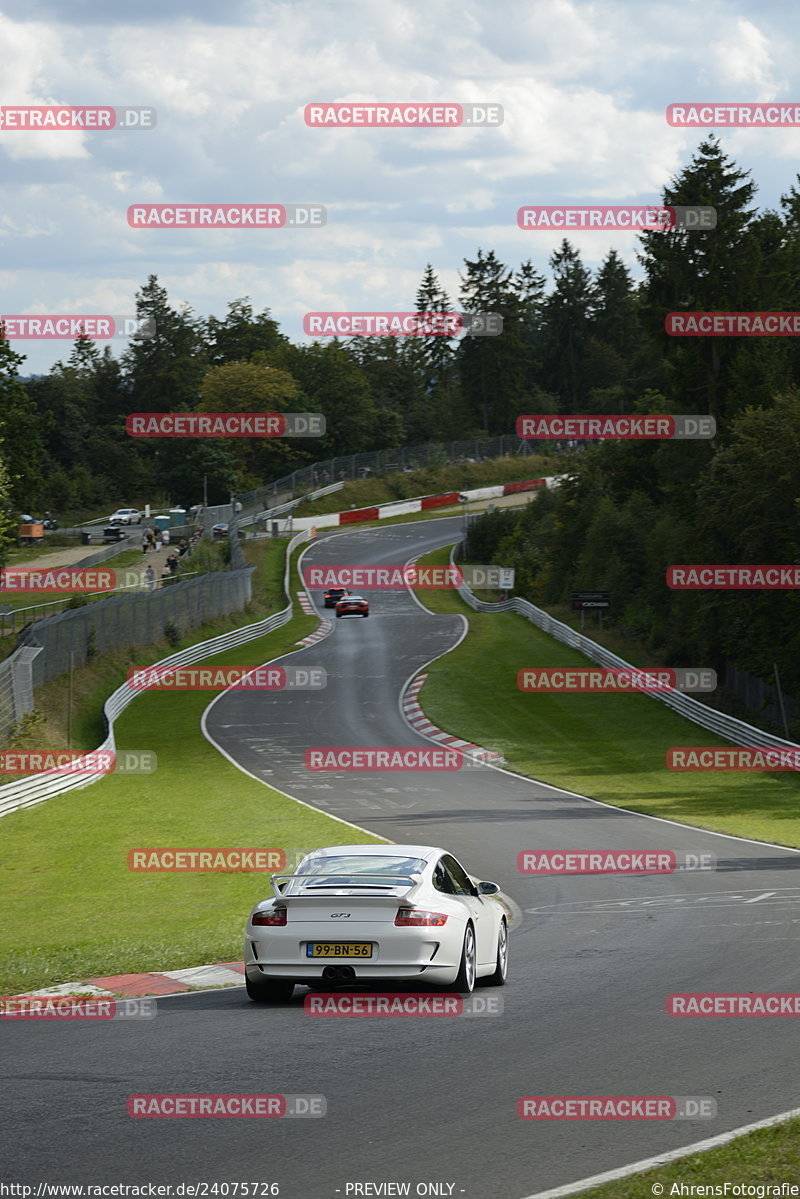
<point>338,974</point>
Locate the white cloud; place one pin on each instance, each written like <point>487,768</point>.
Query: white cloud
<point>583,85</point>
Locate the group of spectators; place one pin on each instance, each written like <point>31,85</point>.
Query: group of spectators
<point>153,540</point>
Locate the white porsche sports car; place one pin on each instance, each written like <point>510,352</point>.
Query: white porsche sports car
<point>355,915</point>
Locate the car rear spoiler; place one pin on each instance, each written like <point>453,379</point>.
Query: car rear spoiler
<point>393,882</point>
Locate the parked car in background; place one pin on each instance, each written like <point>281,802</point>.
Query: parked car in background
<point>222,530</point>
<point>125,516</point>
<point>113,533</point>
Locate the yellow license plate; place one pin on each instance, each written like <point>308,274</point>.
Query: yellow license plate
<point>339,949</point>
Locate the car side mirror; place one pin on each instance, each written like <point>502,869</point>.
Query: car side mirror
<point>488,889</point>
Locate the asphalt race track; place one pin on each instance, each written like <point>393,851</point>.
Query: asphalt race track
<point>592,961</point>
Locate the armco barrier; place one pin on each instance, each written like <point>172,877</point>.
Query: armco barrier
<point>439,501</point>
<point>401,507</point>
<point>358,514</point>
<point>34,790</point>
<point>268,514</point>
<point>727,727</point>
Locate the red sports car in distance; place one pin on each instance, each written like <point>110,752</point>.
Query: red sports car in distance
<point>352,605</point>
<point>333,595</point>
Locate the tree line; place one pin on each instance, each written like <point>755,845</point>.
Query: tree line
<point>628,510</point>
<point>591,342</point>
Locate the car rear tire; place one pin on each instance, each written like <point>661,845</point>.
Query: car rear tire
<point>338,615</point>
<point>498,979</point>
<point>269,990</point>
<point>465,979</point>
<point>366,614</point>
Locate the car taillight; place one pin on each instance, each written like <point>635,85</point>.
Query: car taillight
<point>414,918</point>
<point>274,917</point>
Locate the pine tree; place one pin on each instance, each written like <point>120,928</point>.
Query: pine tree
<point>567,312</point>
<point>20,432</point>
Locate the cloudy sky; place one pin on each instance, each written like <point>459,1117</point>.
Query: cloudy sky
<point>583,86</point>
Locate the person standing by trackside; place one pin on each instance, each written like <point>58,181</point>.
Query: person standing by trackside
<point>150,578</point>
<point>145,542</point>
<point>165,536</point>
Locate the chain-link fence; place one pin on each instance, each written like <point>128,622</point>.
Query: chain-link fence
<point>16,687</point>
<point>15,619</point>
<point>77,635</point>
<point>384,462</point>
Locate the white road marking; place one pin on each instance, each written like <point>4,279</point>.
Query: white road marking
<point>662,1159</point>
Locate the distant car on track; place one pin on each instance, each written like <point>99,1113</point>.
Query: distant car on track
<point>352,605</point>
<point>125,516</point>
<point>332,596</point>
<point>360,915</point>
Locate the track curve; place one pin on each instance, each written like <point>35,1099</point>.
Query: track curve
<point>592,962</point>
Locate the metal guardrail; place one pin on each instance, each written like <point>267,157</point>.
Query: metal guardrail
<point>290,505</point>
<point>37,789</point>
<point>727,727</point>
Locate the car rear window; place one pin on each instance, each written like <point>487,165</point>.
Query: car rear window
<point>358,864</point>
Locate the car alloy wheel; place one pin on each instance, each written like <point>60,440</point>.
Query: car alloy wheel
<point>465,979</point>
<point>501,969</point>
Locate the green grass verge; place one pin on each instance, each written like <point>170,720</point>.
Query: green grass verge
<point>79,912</point>
<point>609,747</point>
<point>767,1157</point>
